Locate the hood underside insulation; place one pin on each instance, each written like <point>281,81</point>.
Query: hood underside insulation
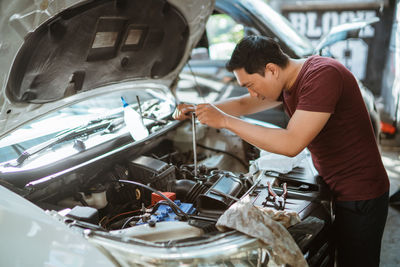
<point>97,43</point>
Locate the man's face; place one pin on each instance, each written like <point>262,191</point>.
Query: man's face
<point>263,87</point>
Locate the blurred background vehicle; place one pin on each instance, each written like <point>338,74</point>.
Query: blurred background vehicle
<point>390,108</point>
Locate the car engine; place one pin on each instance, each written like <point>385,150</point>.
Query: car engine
<point>161,185</point>
<point>152,192</point>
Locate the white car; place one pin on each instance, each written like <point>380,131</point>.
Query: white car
<point>77,190</point>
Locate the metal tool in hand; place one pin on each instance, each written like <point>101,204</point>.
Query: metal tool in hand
<point>194,144</point>
<point>279,201</point>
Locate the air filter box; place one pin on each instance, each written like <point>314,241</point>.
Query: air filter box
<point>213,204</point>
<point>153,172</point>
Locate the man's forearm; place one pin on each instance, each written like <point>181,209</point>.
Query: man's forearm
<point>275,140</point>
<point>289,141</point>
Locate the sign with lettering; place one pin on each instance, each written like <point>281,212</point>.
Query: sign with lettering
<point>353,53</point>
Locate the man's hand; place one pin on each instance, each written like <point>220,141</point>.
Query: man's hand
<point>182,112</point>
<point>211,115</point>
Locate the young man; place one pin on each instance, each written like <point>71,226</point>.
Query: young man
<point>329,117</point>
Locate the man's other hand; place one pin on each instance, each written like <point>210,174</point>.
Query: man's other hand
<point>183,112</point>
<point>211,115</point>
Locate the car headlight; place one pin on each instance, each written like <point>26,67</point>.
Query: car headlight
<point>225,249</point>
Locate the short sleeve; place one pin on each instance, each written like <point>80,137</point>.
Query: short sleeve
<point>321,90</point>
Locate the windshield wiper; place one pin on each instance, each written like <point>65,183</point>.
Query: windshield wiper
<point>142,116</point>
<point>83,130</point>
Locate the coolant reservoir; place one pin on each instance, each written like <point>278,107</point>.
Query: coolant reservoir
<point>97,200</point>
<point>183,137</point>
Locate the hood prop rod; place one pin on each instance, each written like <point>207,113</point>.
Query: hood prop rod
<point>140,109</point>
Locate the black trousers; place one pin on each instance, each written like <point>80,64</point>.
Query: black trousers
<point>358,230</point>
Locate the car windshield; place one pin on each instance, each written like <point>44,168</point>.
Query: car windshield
<point>81,120</point>
<point>280,26</point>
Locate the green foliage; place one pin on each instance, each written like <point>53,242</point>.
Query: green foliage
<point>222,28</point>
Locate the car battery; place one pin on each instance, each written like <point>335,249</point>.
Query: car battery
<point>155,197</point>
<point>152,172</point>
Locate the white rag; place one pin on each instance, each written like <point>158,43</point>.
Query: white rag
<point>275,162</point>
<point>244,217</point>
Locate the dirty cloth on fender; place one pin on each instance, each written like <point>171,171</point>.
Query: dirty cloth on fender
<point>286,218</point>
<point>246,218</point>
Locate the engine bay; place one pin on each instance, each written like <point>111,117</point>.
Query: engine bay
<point>161,185</point>
<point>149,193</point>
<point>157,196</point>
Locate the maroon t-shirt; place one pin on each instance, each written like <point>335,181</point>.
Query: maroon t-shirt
<point>345,152</point>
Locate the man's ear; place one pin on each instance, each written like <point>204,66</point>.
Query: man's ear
<point>273,69</point>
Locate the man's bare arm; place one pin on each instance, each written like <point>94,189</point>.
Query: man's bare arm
<point>289,141</point>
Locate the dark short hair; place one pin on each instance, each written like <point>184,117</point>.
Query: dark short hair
<point>254,52</point>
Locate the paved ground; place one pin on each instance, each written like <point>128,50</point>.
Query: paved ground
<point>390,253</point>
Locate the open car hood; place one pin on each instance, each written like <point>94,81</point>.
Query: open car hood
<point>52,53</point>
<point>342,32</point>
